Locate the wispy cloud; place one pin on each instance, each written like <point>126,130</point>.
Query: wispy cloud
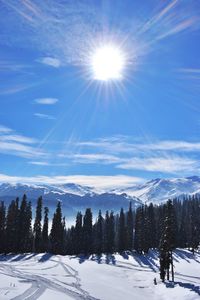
<point>12,66</point>
<point>39,163</point>
<point>159,16</point>
<point>15,89</point>
<point>4,129</point>
<point>98,182</point>
<point>12,143</point>
<point>172,165</point>
<point>17,138</point>
<point>95,158</point>
<point>190,73</point>
<point>187,24</point>
<point>49,163</point>
<point>46,101</point>
<point>125,145</point>
<point>171,19</point>
<point>50,61</point>
<point>168,156</point>
<point>44,116</point>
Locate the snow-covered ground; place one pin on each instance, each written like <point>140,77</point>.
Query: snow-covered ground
<point>51,277</point>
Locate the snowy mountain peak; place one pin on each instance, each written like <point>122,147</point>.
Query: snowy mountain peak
<point>160,190</point>
<point>156,190</point>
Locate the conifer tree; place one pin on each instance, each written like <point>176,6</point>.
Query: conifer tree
<point>78,237</point>
<point>11,229</point>
<point>167,242</point>
<point>2,227</point>
<point>64,251</point>
<point>45,231</point>
<point>87,232</point>
<point>56,236</point>
<point>98,234</point>
<point>139,230</point>
<point>130,228</point>
<point>147,233</point>
<point>111,233</point>
<point>152,227</point>
<point>122,233</point>
<point>25,231</point>
<point>37,229</point>
<point>194,236</point>
<point>106,233</point>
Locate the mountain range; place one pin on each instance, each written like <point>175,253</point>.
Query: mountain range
<point>76,197</point>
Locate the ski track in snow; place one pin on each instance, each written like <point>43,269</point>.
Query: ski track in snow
<point>108,277</point>
<point>39,283</point>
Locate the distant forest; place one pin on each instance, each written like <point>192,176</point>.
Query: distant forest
<point>165,227</point>
<point>137,230</point>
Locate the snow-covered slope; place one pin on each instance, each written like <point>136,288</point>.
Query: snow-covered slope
<point>45,276</point>
<point>160,190</point>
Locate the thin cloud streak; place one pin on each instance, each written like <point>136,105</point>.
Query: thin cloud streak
<point>14,144</point>
<point>172,165</point>
<point>161,156</point>
<point>95,158</point>
<point>123,145</point>
<point>15,89</point>
<point>44,116</point>
<point>99,182</point>
<point>50,61</point>
<point>46,101</point>
<point>4,129</point>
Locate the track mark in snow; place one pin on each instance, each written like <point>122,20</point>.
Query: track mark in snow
<point>72,272</point>
<point>39,283</point>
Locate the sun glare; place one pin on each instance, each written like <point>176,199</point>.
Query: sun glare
<point>108,63</point>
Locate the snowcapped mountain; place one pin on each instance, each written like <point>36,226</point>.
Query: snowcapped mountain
<point>160,190</point>
<point>76,197</point>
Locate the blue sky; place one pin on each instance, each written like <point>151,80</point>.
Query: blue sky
<point>57,123</point>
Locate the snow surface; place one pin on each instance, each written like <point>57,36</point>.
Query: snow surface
<point>113,277</point>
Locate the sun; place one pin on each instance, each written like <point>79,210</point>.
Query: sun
<point>108,63</point>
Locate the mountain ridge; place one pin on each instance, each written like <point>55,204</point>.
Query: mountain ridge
<point>77,197</point>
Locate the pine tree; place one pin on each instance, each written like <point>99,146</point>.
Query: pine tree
<point>25,230</point>
<point>37,229</point>
<point>56,236</point>
<point>98,234</point>
<point>122,232</point>
<point>2,227</point>
<point>106,242</point>
<point>78,238</point>
<point>194,237</point>
<point>45,231</point>
<point>130,228</point>
<point>111,233</point>
<point>87,232</point>
<point>152,227</point>
<point>10,228</point>
<point>139,230</point>
<point>147,233</point>
<point>29,231</point>
<point>64,236</point>
<point>167,243</point>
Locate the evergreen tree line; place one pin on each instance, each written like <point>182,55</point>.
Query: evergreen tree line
<point>174,224</point>
<point>180,218</point>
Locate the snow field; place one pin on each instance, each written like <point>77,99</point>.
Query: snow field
<point>111,277</point>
